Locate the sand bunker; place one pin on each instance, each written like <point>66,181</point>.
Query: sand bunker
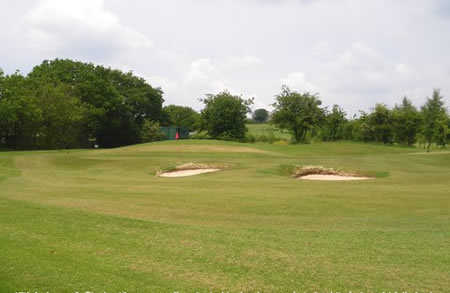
<point>184,173</point>
<point>191,169</point>
<point>325,174</point>
<point>331,177</point>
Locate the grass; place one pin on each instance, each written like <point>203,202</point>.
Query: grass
<point>99,220</point>
<point>268,130</point>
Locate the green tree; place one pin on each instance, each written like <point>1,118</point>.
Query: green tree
<point>182,116</point>
<point>435,123</point>
<point>299,113</point>
<point>151,131</point>
<point>380,124</point>
<point>260,115</point>
<point>333,125</point>
<point>19,113</point>
<point>224,115</point>
<point>406,122</point>
<point>361,128</point>
<point>62,118</point>
<point>442,130</point>
<point>119,103</point>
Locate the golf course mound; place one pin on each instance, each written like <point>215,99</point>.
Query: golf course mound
<point>325,174</point>
<point>189,169</point>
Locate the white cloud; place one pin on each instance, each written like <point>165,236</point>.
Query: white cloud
<point>297,81</point>
<point>164,83</point>
<point>200,72</point>
<point>80,27</point>
<point>360,76</point>
<point>240,63</point>
<point>211,76</point>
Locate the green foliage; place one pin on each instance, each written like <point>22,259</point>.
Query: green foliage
<point>151,131</point>
<point>182,117</point>
<point>267,138</point>
<point>373,127</point>
<point>64,103</point>
<point>406,122</point>
<point>200,135</point>
<point>380,124</point>
<point>119,101</point>
<point>62,118</point>
<point>68,104</point>
<point>435,118</point>
<point>299,113</point>
<point>333,125</point>
<point>20,113</point>
<point>260,115</point>
<point>224,116</point>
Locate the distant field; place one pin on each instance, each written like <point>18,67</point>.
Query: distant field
<point>100,220</point>
<point>268,129</point>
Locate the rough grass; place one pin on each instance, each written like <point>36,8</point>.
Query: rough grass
<point>259,130</point>
<point>100,221</point>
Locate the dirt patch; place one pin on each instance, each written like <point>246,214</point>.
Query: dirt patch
<point>189,169</point>
<point>325,174</point>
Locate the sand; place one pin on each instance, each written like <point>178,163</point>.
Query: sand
<point>331,177</point>
<point>185,173</point>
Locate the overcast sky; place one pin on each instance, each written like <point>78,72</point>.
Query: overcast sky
<point>352,52</point>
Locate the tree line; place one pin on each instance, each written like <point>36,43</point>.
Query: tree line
<point>68,104</point>
<point>71,104</point>
<point>303,115</point>
<point>404,124</point>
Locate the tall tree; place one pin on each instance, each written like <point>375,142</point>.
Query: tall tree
<point>297,112</point>
<point>260,115</point>
<point>62,118</point>
<point>182,116</point>
<point>406,122</point>
<point>380,123</point>
<point>119,102</point>
<point>434,120</point>
<point>334,122</point>
<point>19,113</point>
<point>224,115</point>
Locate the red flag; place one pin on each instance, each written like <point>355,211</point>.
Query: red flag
<point>177,136</point>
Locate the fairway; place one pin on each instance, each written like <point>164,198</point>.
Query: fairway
<point>102,221</point>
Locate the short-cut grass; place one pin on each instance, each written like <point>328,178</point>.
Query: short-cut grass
<point>100,220</point>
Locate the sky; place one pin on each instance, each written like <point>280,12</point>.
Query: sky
<point>351,52</point>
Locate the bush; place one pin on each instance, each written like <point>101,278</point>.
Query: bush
<point>151,131</point>
<point>266,138</point>
<point>200,135</point>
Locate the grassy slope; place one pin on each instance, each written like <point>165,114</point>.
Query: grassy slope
<point>99,220</point>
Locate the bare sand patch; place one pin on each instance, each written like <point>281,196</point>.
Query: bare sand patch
<point>185,173</point>
<point>325,174</point>
<point>190,169</point>
<point>331,177</point>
